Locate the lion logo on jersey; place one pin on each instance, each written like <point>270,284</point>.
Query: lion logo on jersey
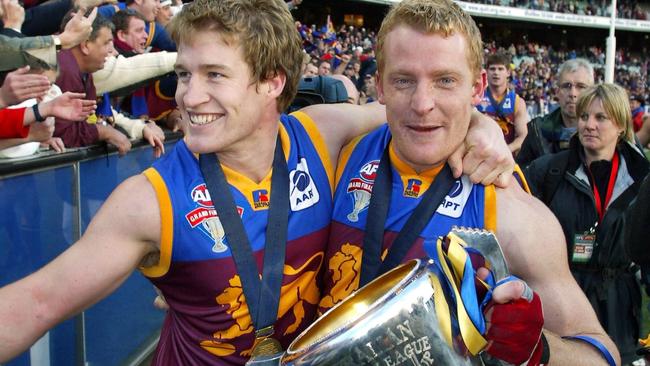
<point>292,297</point>
<point>345,261</point>
<point>345,273</point>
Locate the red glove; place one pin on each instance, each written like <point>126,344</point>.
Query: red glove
<point>515,331</point>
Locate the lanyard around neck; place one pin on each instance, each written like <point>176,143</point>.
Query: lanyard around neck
<point>600,208</point>
<point>262,295</point>
<point>371,263</point>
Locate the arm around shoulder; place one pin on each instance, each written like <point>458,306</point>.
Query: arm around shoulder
<point>122,233</point>
<point>340,123</point>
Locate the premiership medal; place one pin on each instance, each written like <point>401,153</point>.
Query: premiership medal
<point>265,344</point>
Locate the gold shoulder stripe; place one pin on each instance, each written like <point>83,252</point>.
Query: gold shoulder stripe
<point>166,225</point>
<point>152,32</point>
<point>319,143</point>
<point>522,179</point>
<point>490,209</point>
<point>344,157</point>
<point>159,92</point>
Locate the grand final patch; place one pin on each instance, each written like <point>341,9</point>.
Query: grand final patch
<point>361,188</point>
<point>206,219</point>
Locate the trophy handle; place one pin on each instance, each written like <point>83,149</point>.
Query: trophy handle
<point>485,242</point>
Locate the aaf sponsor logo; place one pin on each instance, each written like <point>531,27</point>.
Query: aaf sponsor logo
<point>507,104</point>
<point>361,188</point>
<point>260,199</point>
<point>302,189</point>
<point>413,188</point>
<point>455,201</point>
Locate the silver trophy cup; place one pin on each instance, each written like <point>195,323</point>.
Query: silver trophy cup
<point>392,320</point>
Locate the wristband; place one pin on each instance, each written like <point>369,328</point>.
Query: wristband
<point>37,114</point>
<point>597,345</point>
<point>57,42</point>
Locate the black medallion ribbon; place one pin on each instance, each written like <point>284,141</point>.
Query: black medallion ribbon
<point>262,295</point>
<point>371,263</point>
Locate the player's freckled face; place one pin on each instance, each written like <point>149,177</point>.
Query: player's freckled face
<point>220,103</point>
<point>428,100</point>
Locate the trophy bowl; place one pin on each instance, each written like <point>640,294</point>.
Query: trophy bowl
<point>390,321</point>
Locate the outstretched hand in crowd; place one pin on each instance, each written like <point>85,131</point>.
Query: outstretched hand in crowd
<point>19,86</point>
<point>70,106</point>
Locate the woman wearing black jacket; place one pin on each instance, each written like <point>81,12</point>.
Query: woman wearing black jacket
<point>588,187</point>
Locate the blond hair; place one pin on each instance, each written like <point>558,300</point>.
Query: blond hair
<point>433,16</point>
<point>263,28</point>
<point>615,103</point>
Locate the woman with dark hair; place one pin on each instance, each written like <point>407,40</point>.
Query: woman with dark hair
<point>588,187</point>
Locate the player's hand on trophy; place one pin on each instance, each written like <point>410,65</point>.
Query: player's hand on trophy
<point>514,320</point>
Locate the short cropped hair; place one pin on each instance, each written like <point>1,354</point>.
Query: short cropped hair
<point>615,102</point>
<point>573,65</point>
<point>122,18</point>
<point>433,16</point>
<point>498,58</point>
<point>263,28</point>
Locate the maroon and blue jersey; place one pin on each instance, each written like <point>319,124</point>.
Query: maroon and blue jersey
<point>466,204</point>
<point>502,111</point>
<point>208,321</point>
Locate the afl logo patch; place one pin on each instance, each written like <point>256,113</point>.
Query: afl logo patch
<point>201,196</point>
<point>368,171</point>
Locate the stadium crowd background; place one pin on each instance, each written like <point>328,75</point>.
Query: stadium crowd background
<point>534,62</point>
<point>337,44</point>
<point>624,9</point>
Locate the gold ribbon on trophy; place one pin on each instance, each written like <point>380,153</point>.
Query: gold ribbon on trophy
<point>454,263</point>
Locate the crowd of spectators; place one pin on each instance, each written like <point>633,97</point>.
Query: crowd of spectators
<point>104,78</point>
<point>109,80</point>
<point>348,50</point>
<point>135,97</point>
<point>534,68</point>
<point>624,9</point>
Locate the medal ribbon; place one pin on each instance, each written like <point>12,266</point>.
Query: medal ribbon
<point>371,263</point>
<point>262,295</point>
<point>610,188</point>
